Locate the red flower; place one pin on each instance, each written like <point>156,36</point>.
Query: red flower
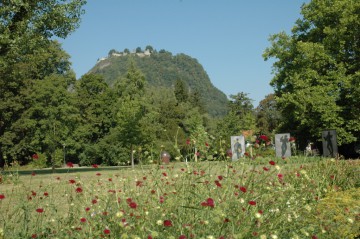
<point>162,199</point>
<point>206,144</point>
<point>72,181</point>
<point>33,236</point>
<point>78,190</point>
<point>33,174</point>
<point>314,237</point>
<point>164,174</point>
<point>265,169</point>
<point>280,176</point>
<point>188,141</point>
<point>98,174</point>
<point>70,164</point>
<point>87,209</point>
<point>133,205</point>
<point>292,139</point>
<point>46,194</point>
<point>182,237</point>
<point>220,177</point>
<point>95,166</point>
<point>35,156</point>
<point>2,196</point>
<point>243,189</point>
<point>94,201</point>
<point>107,231</point>
<point>168,223</point>
<point>252,203</point>
<point>264,138</point>
<point>139,183</point>
<point>272,162</point>
<point>83,219</point>
<point>218,183</point>
<point>40,210</point>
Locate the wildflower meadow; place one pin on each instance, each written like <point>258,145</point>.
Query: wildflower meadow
<point>297,197</point>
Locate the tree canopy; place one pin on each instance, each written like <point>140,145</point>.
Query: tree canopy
<point>317,74</point>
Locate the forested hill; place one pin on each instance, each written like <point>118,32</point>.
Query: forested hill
<point>163,69</point>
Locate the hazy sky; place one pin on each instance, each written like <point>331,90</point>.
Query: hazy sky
<point>227,37</point>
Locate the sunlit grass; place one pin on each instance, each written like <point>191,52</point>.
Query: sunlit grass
<point>251,198</point>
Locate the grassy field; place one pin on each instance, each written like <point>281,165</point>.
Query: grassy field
<point>263,198</point>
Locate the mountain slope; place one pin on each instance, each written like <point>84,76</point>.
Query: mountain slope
<point>163,69</point>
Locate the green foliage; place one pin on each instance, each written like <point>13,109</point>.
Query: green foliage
<point>267,115</point>
<point>28,55</point>
<point>240,117</point>
<point>317,71</point>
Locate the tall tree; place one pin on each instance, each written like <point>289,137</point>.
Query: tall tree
<point>130,109</point>
<point>240,117</point>
<point>317,72</point>
<point>181,91</point>
<point>267,115</point>
<point>28,53</point>
<point>94,102</point>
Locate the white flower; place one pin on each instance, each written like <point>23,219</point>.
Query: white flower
<point>242,200</point>
<point>350,220</point>
<point>263,236</point>
<point>159,222</point>
<point>257,215</point>
<point>273,236</point>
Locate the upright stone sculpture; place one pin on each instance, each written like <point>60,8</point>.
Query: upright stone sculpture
<point>237,147</point>
<point>282,145</point>
<point>329,143</point>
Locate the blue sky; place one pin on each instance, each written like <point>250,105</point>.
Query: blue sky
<point>227,37</point>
